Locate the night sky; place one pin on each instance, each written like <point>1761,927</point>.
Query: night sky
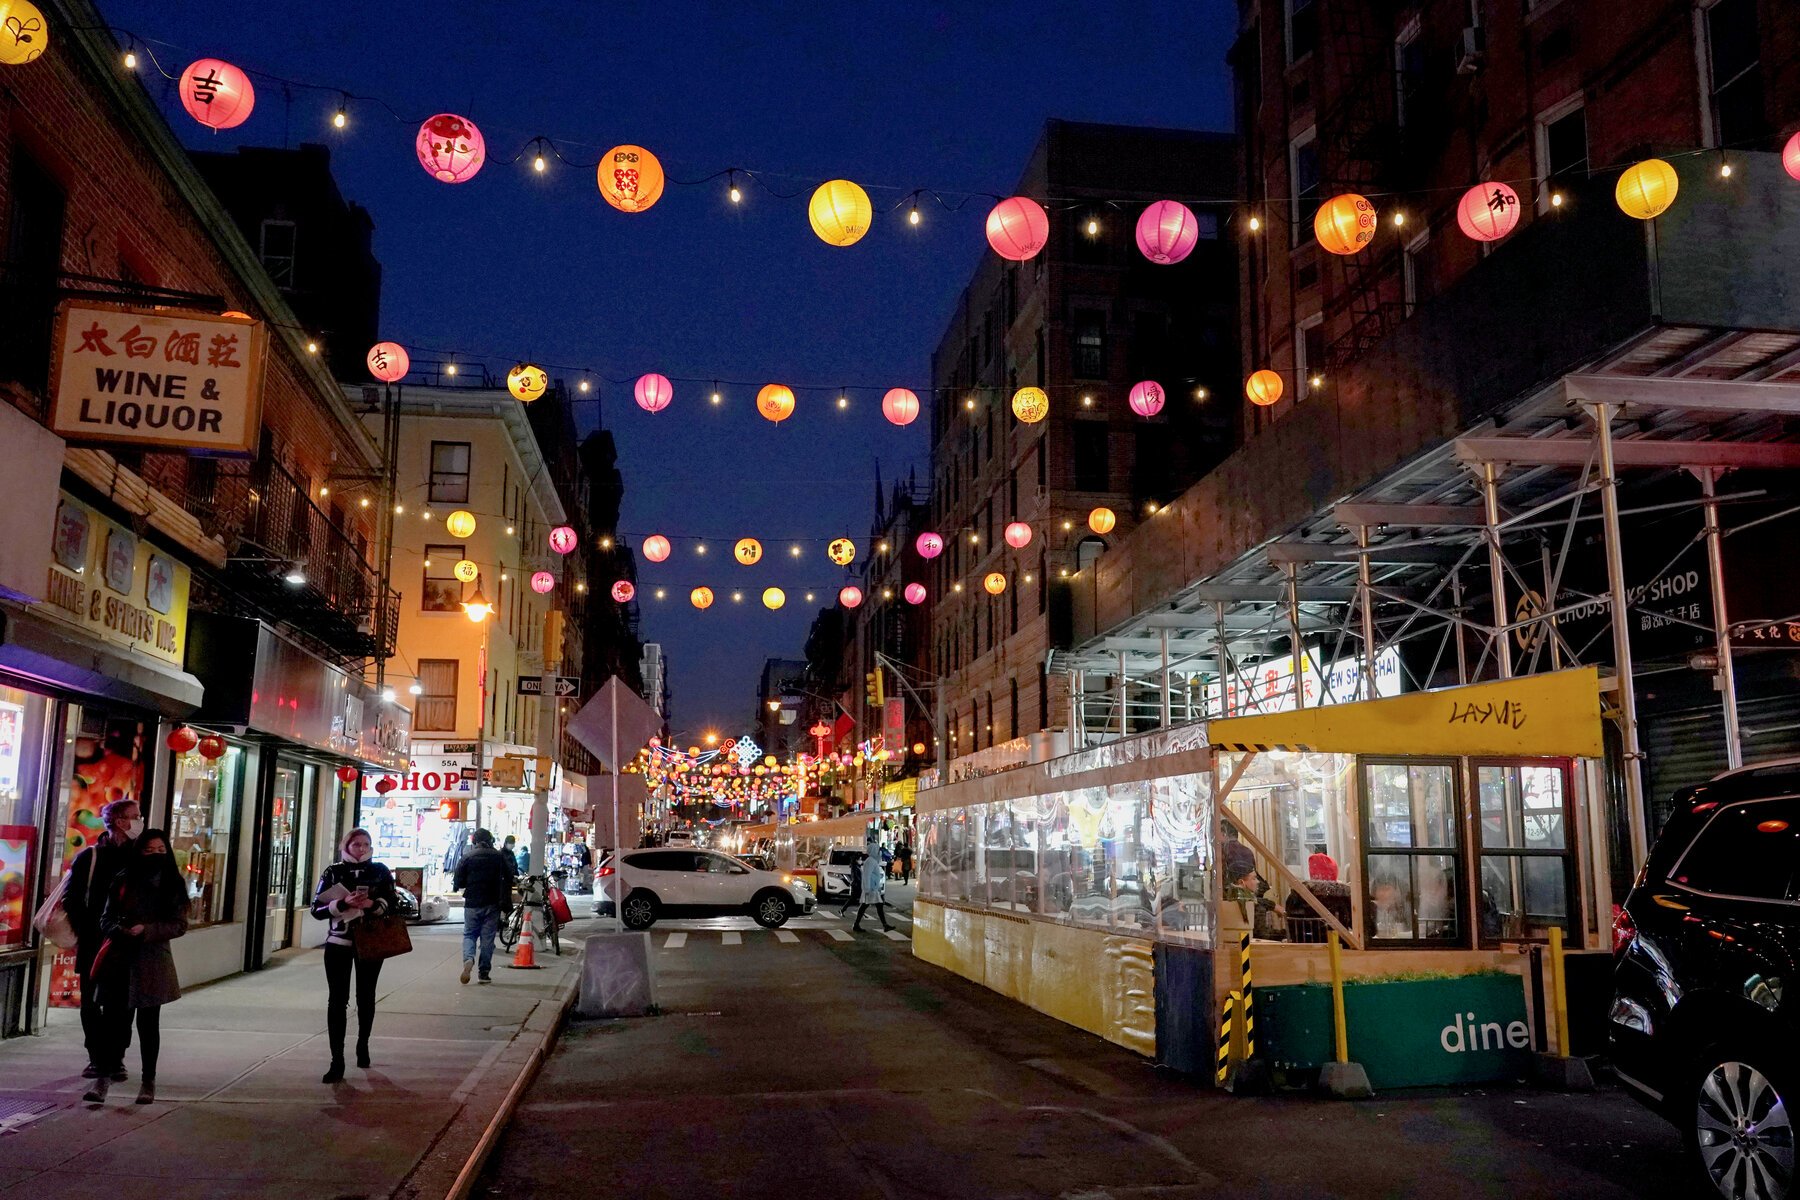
<point>514,265</point>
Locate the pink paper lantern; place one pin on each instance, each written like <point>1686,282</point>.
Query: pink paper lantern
<point>900,406</point>
<point>850,596</point>
<point>563,539</point>
<point>1167,232</point>
<point>1790,156</point>
<point>653,392</point>
<point>1146,398</point>
<point>1017,228</point>
<point>929,545</point>
<point>542,581</point>
<point>217,94</point>
<point>450,148</point>
<point>622,591</point>
<point>656,547</point>
<point>1018,535</point>
<point>1488,212</point>
<point>915,593</point>
<point>388,361</point>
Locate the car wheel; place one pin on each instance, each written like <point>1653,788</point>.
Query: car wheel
<point>771,910</point>
<point>1741,1128</point>
<point>640,910</point>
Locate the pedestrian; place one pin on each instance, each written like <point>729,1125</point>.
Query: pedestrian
<point>84,900</point>
<point>524,858</point>
<point>351,888</point>
<point>485,879</point>
<point>584,866</point>
<point>874,885</point>
<point>905,855</point>
<point>856,883</point>
<point>145,910</point>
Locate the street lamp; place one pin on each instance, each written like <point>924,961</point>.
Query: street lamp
<point>478,609</point>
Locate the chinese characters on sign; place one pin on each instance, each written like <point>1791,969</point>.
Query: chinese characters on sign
<point>158,378</point>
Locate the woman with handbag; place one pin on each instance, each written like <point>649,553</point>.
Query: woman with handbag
<point>145,909</point>
<point>356,895</point>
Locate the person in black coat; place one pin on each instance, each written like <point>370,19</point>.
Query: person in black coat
<point>89,875</point>
<point>485,878</point>
<point>146,909</point>
<point>353,887</point>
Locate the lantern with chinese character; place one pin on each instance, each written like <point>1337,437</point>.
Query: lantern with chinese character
<point>1646,190</point>
<point>653,392</point>
<point>347,774</point>
<point>216,94</point>
<point>460,523</point>
<point>840,212</point>
<point>181,739</point>
<point>1790,157</point>
<point>450,148</point>
<point>995,583</point>
<point>775,402</point>
<point>1167,232</point>
<point>542,581</point>
<point>1102,520</point>
<point>23,33</point>
<point>656,547</point>
<point>773,598</point>
<point>1263,388</point>
<point>630,178</point>
<point>929,545</point>
<point>623,591</point>
<point>747,551</point>
<point>1488,212</point>
<point>1018,535</point>
<point>1146,398</point>
<point>1345,224</point>
<point>842,551</point>
<point>465,570</point>
<point>900,406</point>
<point>563,539</point>
<point>1017,228</point>
<point>211,747</point>
<point>701,597</point>
<point>914,593</point>
<point>1031,404</point>
<point>526,382</point>
<point>388,361</point>
<point>850,596</point>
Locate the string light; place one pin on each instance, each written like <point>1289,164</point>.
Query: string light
<point>341,117</point>
<point>324,491</point>
<point>1399,219</point>
<point>426,514</point>
<point>843,402</point>
<point>737,196</point>
<point>1093,227</point>
<point>700,548</point>
<point>312,347</point>
<point>912,215</point>
<point>365,502</point>
<point>399,508</point>
<point>582,386</point>
<point>716,398</point>
<point>1199,393</point>
<point>539,165</point>
<point>509,530</point>
<point>1255,224</point>
<point>131,60</point>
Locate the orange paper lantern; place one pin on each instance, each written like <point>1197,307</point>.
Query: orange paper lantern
<point>630,177</point>
<point>1263,388</point>
<point>1102,520</point>
<point>775,402</point>
<point>995,583</point>
<point>701,597</point>
<point>1345,224</point>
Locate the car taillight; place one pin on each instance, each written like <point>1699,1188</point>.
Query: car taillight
<point>1624,929</point>
<point>604,872</point>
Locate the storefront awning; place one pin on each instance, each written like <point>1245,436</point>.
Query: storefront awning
<point>45,650</point>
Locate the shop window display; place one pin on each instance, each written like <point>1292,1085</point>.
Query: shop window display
<point>22,754</point>
<point>203,831</point>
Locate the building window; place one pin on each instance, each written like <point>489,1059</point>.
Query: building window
<point>1410,263</point>
<point>1090,344</point>
<point>1089,438</point>
<point>1409,71</point>
<point>436,707</point>
<point>1527,853</point>
<point>277,252</point>
<point>1302,28</point>
<point>1309,353</point>
<point>442,591</point>
<point>1734,75</point>
<point>1562,145</point>
<point>449,473</point>
<point>1303,173</point>
<point>34,236</point>
<point>1411,851</point>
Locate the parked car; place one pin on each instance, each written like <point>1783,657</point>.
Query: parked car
<point>1705,945</point>
<point>835,868</point>
<point>669,881</point>
<point>679,837</point>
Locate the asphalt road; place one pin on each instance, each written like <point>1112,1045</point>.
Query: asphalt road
<point>831,1064</point>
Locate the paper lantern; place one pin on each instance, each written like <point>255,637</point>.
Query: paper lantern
<point>1167,232</point>
<point>900,406</point>
<point>526,382</point>
<point>842,551</point>
<point>1488,212</point>
<point>623,591</point>
<point>1102,520</point>
<point>1146,398</point>
<point>850,596</point>
<point>1018,535</point>
<point>460,523</point>
<point>630,178</point>
<point>1017,228</point>
<point>542,581</point>
<point>773,598</point>
<point>211,747</point>
<point>653,392</point>
<point>347,774</point>
<point>181,739</point>
<point>23,33</point>
<point>701,597</point>
<point>914,593</point>
<point>388,361</point>
<point>747,551</point>
<point>929,545</point>
<point>840,212</point>
<point>466,570</point>
<point>1263,388</point>
<point>1345,224</point>
<point>450,148</point>
<point>775,402</point>
<point>995,583</point>
<point>1031,404</point>
<point>1646,190</point>
<point>656,547</point>
<point>563,539</point>
<point>214,93</point>
<point>385,784</point>
<point>1790,157</point>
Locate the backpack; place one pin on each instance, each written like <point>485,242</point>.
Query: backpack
<point>52,917</point>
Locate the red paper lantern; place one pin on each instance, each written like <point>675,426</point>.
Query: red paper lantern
<point>900,406</point>
<point>653,392</point>
<point>1146,398</point>
<point>212,747</point>
<point>623,591</point>
<point>1790,156</point>
<point>348,773</point>
<point>656,547</point>
<point>1488,212</point>
<point>563,539</point>
<point>850,596</point>
<point>385,784</point>
<point>216,94</point>
<point>450,148</point>
<point>1018,535</point>
<point>388,361</point>
<point>181,739</point>
<point>1017,228</point>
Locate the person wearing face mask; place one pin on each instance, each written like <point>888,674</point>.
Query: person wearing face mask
<point>93,869</point>
<point>145,910</point>
<point>351,888</point>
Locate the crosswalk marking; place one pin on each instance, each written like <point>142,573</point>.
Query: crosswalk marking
<point>732,937</point>
<point>783,935</point>
<point>838,935</point>
<point>896,935</point>
<point>676,941</point>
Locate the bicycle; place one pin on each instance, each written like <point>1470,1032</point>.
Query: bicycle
<point>533,893</point>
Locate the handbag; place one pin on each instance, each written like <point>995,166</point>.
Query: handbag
<point>380,937</point>
<point>52,918</point>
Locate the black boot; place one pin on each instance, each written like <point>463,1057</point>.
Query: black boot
<point>335,1072</point>
<point>362,1054</point>
<point>146,1091</point>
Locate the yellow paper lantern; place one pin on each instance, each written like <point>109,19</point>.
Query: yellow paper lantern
<point>23,32</point>
<point>1345,224</point>
<point>466,570</point>
<point>1646,190</point>
<point>840,212</point>
<point>1263,388</point>
<point>748,551</point>
<point>775,402</point>
<point>841,551</point>
<point>1102,520</point>
<point>1031,404</point>
<point>460,523</point>
<point>995,583</point>
<point>774,597</point>
<point>702,597</point>
<point>526,382</point>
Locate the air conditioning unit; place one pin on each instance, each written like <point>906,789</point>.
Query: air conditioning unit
<point>1473,52</point>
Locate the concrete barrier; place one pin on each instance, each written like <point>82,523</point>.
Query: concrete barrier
<point>616,980</point>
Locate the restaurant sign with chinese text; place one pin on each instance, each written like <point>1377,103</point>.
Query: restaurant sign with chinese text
<point>158,377</point>
<point>116,586</point>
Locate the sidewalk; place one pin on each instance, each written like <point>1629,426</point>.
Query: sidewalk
<point>240,1110</point>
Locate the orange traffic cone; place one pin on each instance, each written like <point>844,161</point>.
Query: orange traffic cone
<point>524,955</point>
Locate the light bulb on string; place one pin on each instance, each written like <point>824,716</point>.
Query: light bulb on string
<point>130,60</point>
<point>450,368</point>
<point>1255,223</point>
<point>582,386</point>
<point>737,196</point>
<point>341,117</point>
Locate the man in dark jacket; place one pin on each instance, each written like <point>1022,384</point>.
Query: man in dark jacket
<point>485,878</point>
<point>89,875</point>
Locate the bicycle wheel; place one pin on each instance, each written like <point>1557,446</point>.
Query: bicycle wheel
<point>509,928</point>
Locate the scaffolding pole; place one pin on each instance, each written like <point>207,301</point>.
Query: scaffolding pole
<point>1365,602</point>
<point>1490,499</point>
<point>1726,679</point>
<point>1299,649</point>
<point>1621,626</point>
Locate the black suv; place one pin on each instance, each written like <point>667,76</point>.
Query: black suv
<point>1705,948</point>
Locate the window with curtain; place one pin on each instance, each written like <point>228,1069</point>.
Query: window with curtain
<point>441,590</point>
<point>436,706</point>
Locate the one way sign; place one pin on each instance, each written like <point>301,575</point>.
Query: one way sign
<point>566,685</point>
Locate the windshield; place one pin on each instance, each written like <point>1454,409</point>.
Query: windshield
<point>844,858</point>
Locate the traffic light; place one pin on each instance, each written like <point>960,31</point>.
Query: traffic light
<point>875,694</point>
<point>553,640</point>
<point>450,810</point>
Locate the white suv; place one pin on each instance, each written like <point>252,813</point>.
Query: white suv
<point>678,881</point>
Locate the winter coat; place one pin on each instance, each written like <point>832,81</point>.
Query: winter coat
<point>145,964</point>
<point>874,880</point>
<point>352,875</point>
<point>90,875</point>
<point>485,877</point>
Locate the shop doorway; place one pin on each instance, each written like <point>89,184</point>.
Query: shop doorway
<point>289,803</point>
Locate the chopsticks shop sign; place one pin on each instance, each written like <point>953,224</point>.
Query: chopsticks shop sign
<point>162,377</point>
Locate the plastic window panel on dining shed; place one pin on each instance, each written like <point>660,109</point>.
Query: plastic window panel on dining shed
<point>1412,855</point>
<point>1527,858</point>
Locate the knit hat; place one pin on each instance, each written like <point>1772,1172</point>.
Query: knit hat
<point>1322,866</point>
